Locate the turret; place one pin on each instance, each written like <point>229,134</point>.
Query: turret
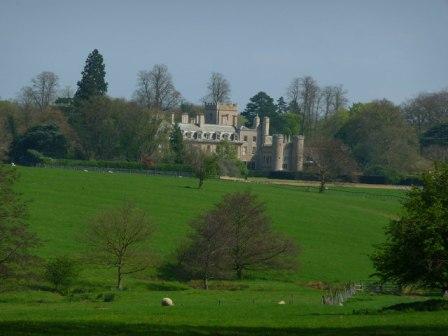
<point>265,131</point>
<point>297,152</point>
<point>184,118</point>
<point>277,145</point>
<point>256,121</point>
<point>201,120</point>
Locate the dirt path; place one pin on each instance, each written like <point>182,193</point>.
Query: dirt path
<point>300,183</point>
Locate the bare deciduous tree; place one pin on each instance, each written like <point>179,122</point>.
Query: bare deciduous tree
<point>304,93</point>
<point>155,89</point>
<point>329,158</point>
<point>427,110</point>
<point>42,91</point>
<point>153,134</point>
<point>234,237</point>
<point>116,239</point>
<point>206,256</point>
<point>334,98</point>
<point>253,243</point>
<point>218,89</point>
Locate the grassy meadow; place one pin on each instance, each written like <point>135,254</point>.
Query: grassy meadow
<point>335,232</point>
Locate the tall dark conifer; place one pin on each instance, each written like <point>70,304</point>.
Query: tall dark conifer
<point>177,144</point>
<point>93,81</point>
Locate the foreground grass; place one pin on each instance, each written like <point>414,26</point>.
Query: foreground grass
<point>335,231</point>
<point>253,311</point>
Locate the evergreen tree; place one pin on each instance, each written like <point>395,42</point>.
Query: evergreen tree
<point>177,144</point>
<point>261,104</point>
<point>282,107</point>
<point>93,81</point>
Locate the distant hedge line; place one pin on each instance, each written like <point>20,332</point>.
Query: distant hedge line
<point>368,179</point>
<point>40,159</point>
<point>117,165</point>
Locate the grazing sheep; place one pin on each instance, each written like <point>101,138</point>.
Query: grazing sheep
<point>281,302</point>
<point>167,302</point>
<point>85,170</point>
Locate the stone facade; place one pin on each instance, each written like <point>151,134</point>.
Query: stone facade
<point>255,146</point>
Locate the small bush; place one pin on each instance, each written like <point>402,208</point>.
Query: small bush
<point>429,305</point>
<point>61,273</point>
<point>108,297</point>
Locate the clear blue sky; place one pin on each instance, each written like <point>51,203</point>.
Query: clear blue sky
<point>376,49</point>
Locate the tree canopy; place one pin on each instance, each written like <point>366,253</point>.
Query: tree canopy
<point>47,139</point>
<point>416,249</point>
<point>379,137</point>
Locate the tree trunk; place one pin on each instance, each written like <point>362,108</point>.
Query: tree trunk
<point>205,282</point>
<point>445,293</point>
<point>322,184</point>
<point>239,273</point>
<point>119,279</point>
<point>201,182</point>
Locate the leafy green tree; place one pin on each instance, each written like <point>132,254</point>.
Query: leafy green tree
<point>16,240</point>
<point>61,273</point>
<point>416,249</point>
<point>177,144</point>
<point>228,162</point>
<point>46,139</point>
<point>204,165</point>
<point>93,81</point>
<point>289,124</point>
<point>379,137</point>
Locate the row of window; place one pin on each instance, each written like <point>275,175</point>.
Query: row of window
<point>210,136</point>
<point>254,138</point>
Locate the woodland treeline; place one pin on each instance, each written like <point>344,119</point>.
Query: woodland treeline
<point>375,138</point>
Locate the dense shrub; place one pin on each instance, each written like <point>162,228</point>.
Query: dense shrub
<point>61,272</point>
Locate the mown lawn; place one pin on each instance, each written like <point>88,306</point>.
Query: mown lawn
<point>335,232</point>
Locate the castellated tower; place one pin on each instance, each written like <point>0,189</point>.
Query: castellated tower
<point>277,146</point>
<point>265,131</point>
<point>221,114</point>
<point>297,153</point>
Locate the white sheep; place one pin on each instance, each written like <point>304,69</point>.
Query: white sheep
<point>167,302</point>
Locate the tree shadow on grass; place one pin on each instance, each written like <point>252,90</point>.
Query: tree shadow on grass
<point>18,328</point>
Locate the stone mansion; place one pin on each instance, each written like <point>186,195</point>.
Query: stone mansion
<point>255,146</point>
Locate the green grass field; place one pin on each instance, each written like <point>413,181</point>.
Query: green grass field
<point>335,232</point>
